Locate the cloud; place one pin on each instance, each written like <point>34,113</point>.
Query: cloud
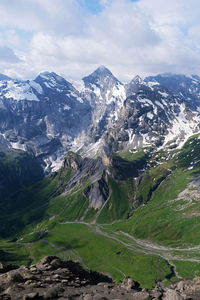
<point>54,16</point>
<point>142,37</point>
<point>7,55</point>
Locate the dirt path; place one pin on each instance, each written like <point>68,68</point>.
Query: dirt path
<point>145,247</point>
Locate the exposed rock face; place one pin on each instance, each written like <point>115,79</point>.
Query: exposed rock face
<point>49,116</point>
<point>151,116</point>
<point>53,278</point>
<point>106,95</point>
<point>150,112</point>
<point>98,193</point>
<point>42,116</point>
<point>94,174</point>
<point>88,171</point>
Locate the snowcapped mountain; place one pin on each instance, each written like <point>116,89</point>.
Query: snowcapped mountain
<point>145,112</point>
<point>153,115</point>
<point>49,116</point>
<point>106,95</point>
<point>42,116</point>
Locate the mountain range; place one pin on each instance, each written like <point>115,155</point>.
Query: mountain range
<point>49,116</point>
<point>102,172</point>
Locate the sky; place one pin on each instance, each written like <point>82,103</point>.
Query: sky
<point>74,37</point>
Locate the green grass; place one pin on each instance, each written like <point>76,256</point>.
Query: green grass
<point>187,269</point>
<point>13,253</point>
<point>119,203</point>
<point>190,153</point>
<point>132,156</point>
<point>101,254</point>
<point>150,181</point>
<point>17,169</point>
<point>71,207</point>
<point>161,219</point>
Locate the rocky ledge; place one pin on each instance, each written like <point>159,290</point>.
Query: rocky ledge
<point>53,278</point>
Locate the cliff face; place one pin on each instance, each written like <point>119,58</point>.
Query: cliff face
<point>49,116</point>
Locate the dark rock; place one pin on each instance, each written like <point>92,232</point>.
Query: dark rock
<point>31,296</point>
<point>5,268</point>
<point>129,284</point>
<point>15,277</point>
<point>68,280</point>
<point>56,263</point>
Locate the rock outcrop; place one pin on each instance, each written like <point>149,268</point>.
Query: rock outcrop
<point>53,278</point>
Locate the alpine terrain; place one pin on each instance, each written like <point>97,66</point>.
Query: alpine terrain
<point>105,173</point>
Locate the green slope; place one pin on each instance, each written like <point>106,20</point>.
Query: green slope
<point>17,169</point>
<point>149,207</point>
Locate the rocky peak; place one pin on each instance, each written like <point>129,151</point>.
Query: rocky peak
<point>134,85</point>
<point>101,77</point>
<point>100,72</point>
<point>53,81</point>
<point>137,80</point>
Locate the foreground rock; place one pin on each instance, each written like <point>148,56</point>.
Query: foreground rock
<point>53,278</point>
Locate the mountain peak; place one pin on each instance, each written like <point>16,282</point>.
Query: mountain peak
<point>137,80</point>
<point>103,70</point>
<point>51,79</point>
<point>47,75</point>
<point>101,74</point>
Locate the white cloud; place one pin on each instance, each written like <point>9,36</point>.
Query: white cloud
<point>57,16</point>
<point>143,37</point>
<point>7,55</point>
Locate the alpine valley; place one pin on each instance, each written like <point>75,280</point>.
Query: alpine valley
<point>102,172</point>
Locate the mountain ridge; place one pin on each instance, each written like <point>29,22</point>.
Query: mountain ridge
<point>49,116</point>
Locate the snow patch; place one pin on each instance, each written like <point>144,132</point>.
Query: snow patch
<point>20,91</point>
<point>73,94</point>
<point>152,83</point>
<point>146,101</point>
<point>36,86</point>
<point>150,115</point>
<point>18,146</point>
<point>159,104</point>
<point>163,94</point>
<point>182,128</point>
<point>53,164</point>
<point>79,85</point>
<point>66,107</point>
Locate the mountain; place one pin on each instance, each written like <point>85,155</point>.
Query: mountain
<point>126,214</point>
<point>18,169</point>
<point>106,95</point>
<point>48,116</point>
<point>186,87</point>
<point>125,201</point>
<point>41,116</point>
<point>153,115</point>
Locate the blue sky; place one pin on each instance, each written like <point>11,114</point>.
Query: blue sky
<point>73,37</point>
<point>94,6</point>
